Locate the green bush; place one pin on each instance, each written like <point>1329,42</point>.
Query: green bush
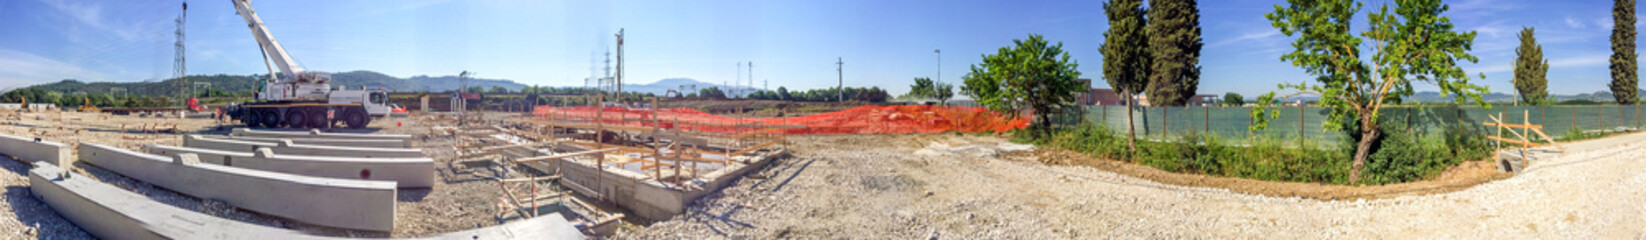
<point>1403,157</point>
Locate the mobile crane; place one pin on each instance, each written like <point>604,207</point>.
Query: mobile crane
<point>299,99</point>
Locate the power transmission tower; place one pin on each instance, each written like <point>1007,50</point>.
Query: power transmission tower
<point>180,68</point>
<point>751,74</point>
<point>739,81</point>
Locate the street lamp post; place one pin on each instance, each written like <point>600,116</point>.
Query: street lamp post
<point>939,64</point>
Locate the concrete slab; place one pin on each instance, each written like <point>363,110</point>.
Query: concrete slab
<point>640,193</point>
<point>371,143</point>
<point>289,148</point>
<point>109,212</point>
<point>34,150</point>
<point>342,203</point>
<point>315,134</point>
<point>407,172</point>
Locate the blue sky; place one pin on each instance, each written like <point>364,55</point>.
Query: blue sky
<point>792,43</point>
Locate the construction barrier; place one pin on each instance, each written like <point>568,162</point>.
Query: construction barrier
<point>407,172</point>
<point>859,120</point>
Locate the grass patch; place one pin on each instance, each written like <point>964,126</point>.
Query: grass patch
<point>1403,157</point>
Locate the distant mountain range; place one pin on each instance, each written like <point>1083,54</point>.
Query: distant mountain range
<point>352,80</point>
<point>1435,97</point>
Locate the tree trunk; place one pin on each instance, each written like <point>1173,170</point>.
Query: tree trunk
<point>1131,129</point>
<point>1368,133</point>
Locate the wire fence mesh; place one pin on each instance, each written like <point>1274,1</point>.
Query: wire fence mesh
<point>1305,123</point>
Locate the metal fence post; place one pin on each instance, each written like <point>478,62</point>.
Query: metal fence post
<point>1165,122</point>
<point>1208,123</point>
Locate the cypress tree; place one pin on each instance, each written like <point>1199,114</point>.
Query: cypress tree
<point>1624,60</point>
<point>1174,49</point>
<point>1531,70</point>
<point>1125,54</point>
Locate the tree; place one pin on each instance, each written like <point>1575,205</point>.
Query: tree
<point>1624,59</point>
<point>1125,61</point>
<point>783,94</point>
<point>711,92</point>
<point>1034,75</point>
<point>1531,70</point>
<point>1233,99</point>
<point>498,89</point>
<point>1414,43</point>
<point>922,88</point>
<point>1174,49</point>
<point>942,92</point>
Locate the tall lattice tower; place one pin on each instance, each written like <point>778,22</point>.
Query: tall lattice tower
<point>180,69</point>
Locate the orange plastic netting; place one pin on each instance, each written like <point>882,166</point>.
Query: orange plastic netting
<point>859,120</point>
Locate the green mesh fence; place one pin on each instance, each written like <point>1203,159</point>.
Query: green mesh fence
<point>1305,123</point>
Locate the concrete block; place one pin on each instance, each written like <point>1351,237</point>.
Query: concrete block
<point>371,143</point>
<point>343,203</point>
<point>290,148</point>
<point>109,212</point>
<point>407,172</point>
<point>315,134</point>
<point>31,150</point>
<point>1510,160</point>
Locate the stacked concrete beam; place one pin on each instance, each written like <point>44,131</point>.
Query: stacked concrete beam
<point>290,148</point>
<point>342,203</point>
<point>407,172</point>
<point>35,150</point>
<point>371,143</point>
<point>109,212</point>
<point>243,132</point>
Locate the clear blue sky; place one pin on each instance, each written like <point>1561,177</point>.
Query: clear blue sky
<point>792,43</point>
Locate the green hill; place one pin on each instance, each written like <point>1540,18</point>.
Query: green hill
<point>243,84</point>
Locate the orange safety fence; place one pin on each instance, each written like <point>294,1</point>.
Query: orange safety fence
<point>859,120</point>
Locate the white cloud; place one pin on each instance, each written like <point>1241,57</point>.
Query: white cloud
<point>1574,23</point>
<point>90,13</point>
<point>1579,61</point>
<point>1259,35</point>
<point>19,69</point>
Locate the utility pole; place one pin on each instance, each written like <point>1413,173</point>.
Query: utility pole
<point>180,68</point>
<point>840,63</point>
<point>751,74</point>
<point>619,78</point>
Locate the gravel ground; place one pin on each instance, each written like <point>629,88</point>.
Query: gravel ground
<point>941,186</point>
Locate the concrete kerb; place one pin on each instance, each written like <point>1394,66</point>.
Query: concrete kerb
<point>109,212</point>
<point>407,172</point>
<point>290,148</point>
<point>35,150</point>
<point>343,203</point>
<point>315,134</point>
<point>371,143</point>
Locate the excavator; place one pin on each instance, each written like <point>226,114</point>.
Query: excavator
<point>299,99</point>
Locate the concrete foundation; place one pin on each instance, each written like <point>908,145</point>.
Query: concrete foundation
<point>369,143</point>
<point>109,212</point>
<point>30,150</point>
<point>289,148</point>
<point>243,132</point>
<point>640,193</point>
<point>407,172</point>
<point>342,203</point>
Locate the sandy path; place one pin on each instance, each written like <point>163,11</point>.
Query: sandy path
<point>941,186</point>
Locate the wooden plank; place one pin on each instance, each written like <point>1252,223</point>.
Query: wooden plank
<point>747,150</point>
<point>565,155</point>
<point>1525,143</point>
<point>528,179</point>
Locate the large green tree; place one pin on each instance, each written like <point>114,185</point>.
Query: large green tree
<point>1174,50</point>
<point>1531,70</point>
<point>1624,59</point>
<point>1414,43</point>
<point>1032,75</point>
<point>1126,56</point>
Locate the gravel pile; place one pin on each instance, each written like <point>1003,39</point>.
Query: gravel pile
<point>878,187</point>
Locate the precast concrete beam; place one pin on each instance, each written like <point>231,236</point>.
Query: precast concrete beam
<point>35,150</point>
<point>407,172</point>
<point>371,143</point>
<point>342,203</point>
<point>290,148</point>
<point>109,212</point>
<point>315,134</point>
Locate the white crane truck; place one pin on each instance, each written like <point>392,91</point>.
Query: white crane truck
<point>298,99</point>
